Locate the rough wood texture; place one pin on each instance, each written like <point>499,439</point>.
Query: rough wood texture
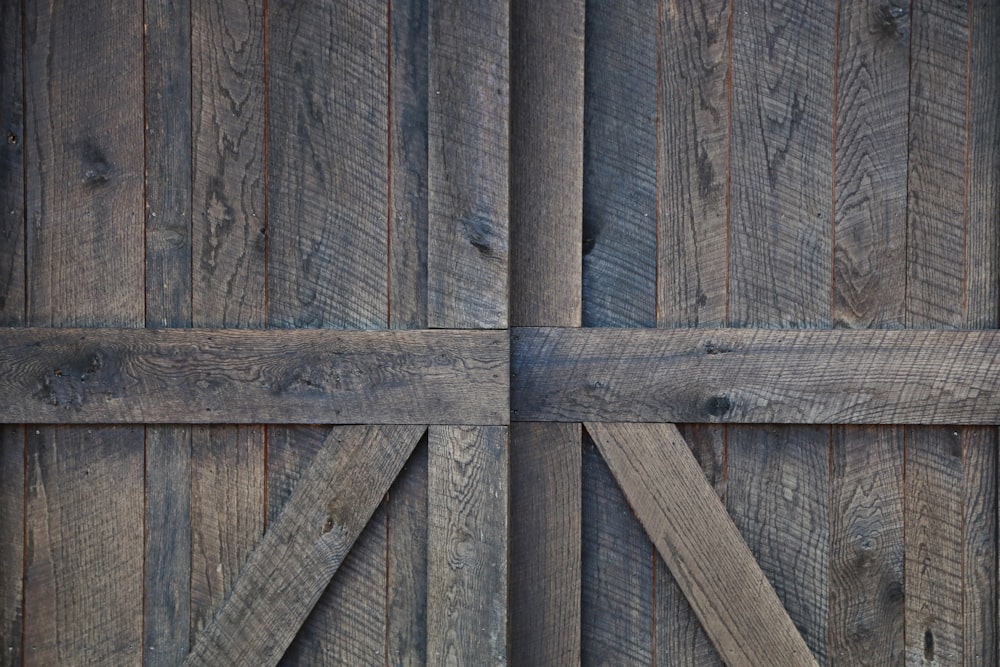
<point>83,591</point>
<point>301,551</point>
<point>756,375</point>
<point>12,441</point>
<point>979,546</point>
<point>244,376</point>
<point>619,163</point>
<point>688,524</point>
<point>167,571</point>
<point>545,524</point>
<point>408,101</point>
<point>468,153</point>
<point>866,546</point>
<point>406,606</point>
<point>467,482</point>
<point>546,190</point>
<point>693,158</point>
<point>328,178</point>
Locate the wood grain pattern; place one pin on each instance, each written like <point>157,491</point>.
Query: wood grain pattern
<point>83,591</point>
<point>245,376</point>
<point>777,495</point>
<point>545,525</point>
<point>546,190</point>
<point>468,153</point>
<point>12,512</point>
<point>467,482</point>
<point>406,606</point>
<point>408,104</point>
<point>693,158</point>
<point>866,546</point>
<point>979,546</point>
<point>619,165</point>
<point>680,638</point>
<point>167,570</point>
<point>305,546</point>
<point>755,375</point>
<point>688,524</point>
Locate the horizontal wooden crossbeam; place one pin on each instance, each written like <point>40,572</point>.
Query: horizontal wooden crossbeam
<point>754,375</point>
<point>253,376</point>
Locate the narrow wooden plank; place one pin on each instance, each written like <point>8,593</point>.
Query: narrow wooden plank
<point>756,375</point>
<point>689,525</point>
<point>305,546</point>
<point>693,158</point>
<point>777,494</point>
<point>546,532</point>
<point>83,591</point>
<point>467,481</point>
<point>468,146</point>
<point>617,564</point>
<point>407,564</point>
<point>408,104</point>
<point>619,161</point>
<point>869,281</point>
<point>979,545</point>
<point>167,570</point>
<point>546,191</point>
<point>252,376</point>
<point>680,638</point>
<point>12,312</point>
<point>866,542</point>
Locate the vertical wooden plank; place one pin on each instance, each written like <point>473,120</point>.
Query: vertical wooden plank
<point>866,546</point>
<point>979,539</point>
<point>619,290</point>
<point>692,261</point>
<point>468,143</point>
<point>680,638</point>
<point>693,157</point>
<point>869,286</point>
<point>547,76</point>
<point>83,591</point>
<point>408,163</point>
<point>619,177</point>
<point>328,222</point>
<point>546,533</point>
<point>406,604</point>
<point>407,564</point>
<point>228,264</point>
<point>778,497</point>
<point>547,70</point>
<point>12,305</point>
<point>167,586</point>
<point>780,249</point>
<point>467,482</point>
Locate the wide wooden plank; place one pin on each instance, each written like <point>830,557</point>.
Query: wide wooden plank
<point>84,170</point>
<point>468,146</point>
<point>252,376</point>
<point>167,571</point>
<point>545,534</point>
<point>305,545</point>
<point>756,375</point>
<point>467,482</point>
<point>546,190</point>
<point>688,524</point>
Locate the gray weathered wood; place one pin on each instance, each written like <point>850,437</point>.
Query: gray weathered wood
<point>467,482</point>
<point>546,190</point>
<point>246,376</point>
<point>688,524</point>
<point>468,151</point>
<point>305,545</point>
<point>12,441</point>
<point>756,375</point>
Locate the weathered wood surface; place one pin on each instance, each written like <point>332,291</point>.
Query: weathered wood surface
<point>689,525</point>
<point>467,495</point>
<point>253,377</point>
<point>468,154</point>
<point>756,375</point>
<point>306,544</point>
